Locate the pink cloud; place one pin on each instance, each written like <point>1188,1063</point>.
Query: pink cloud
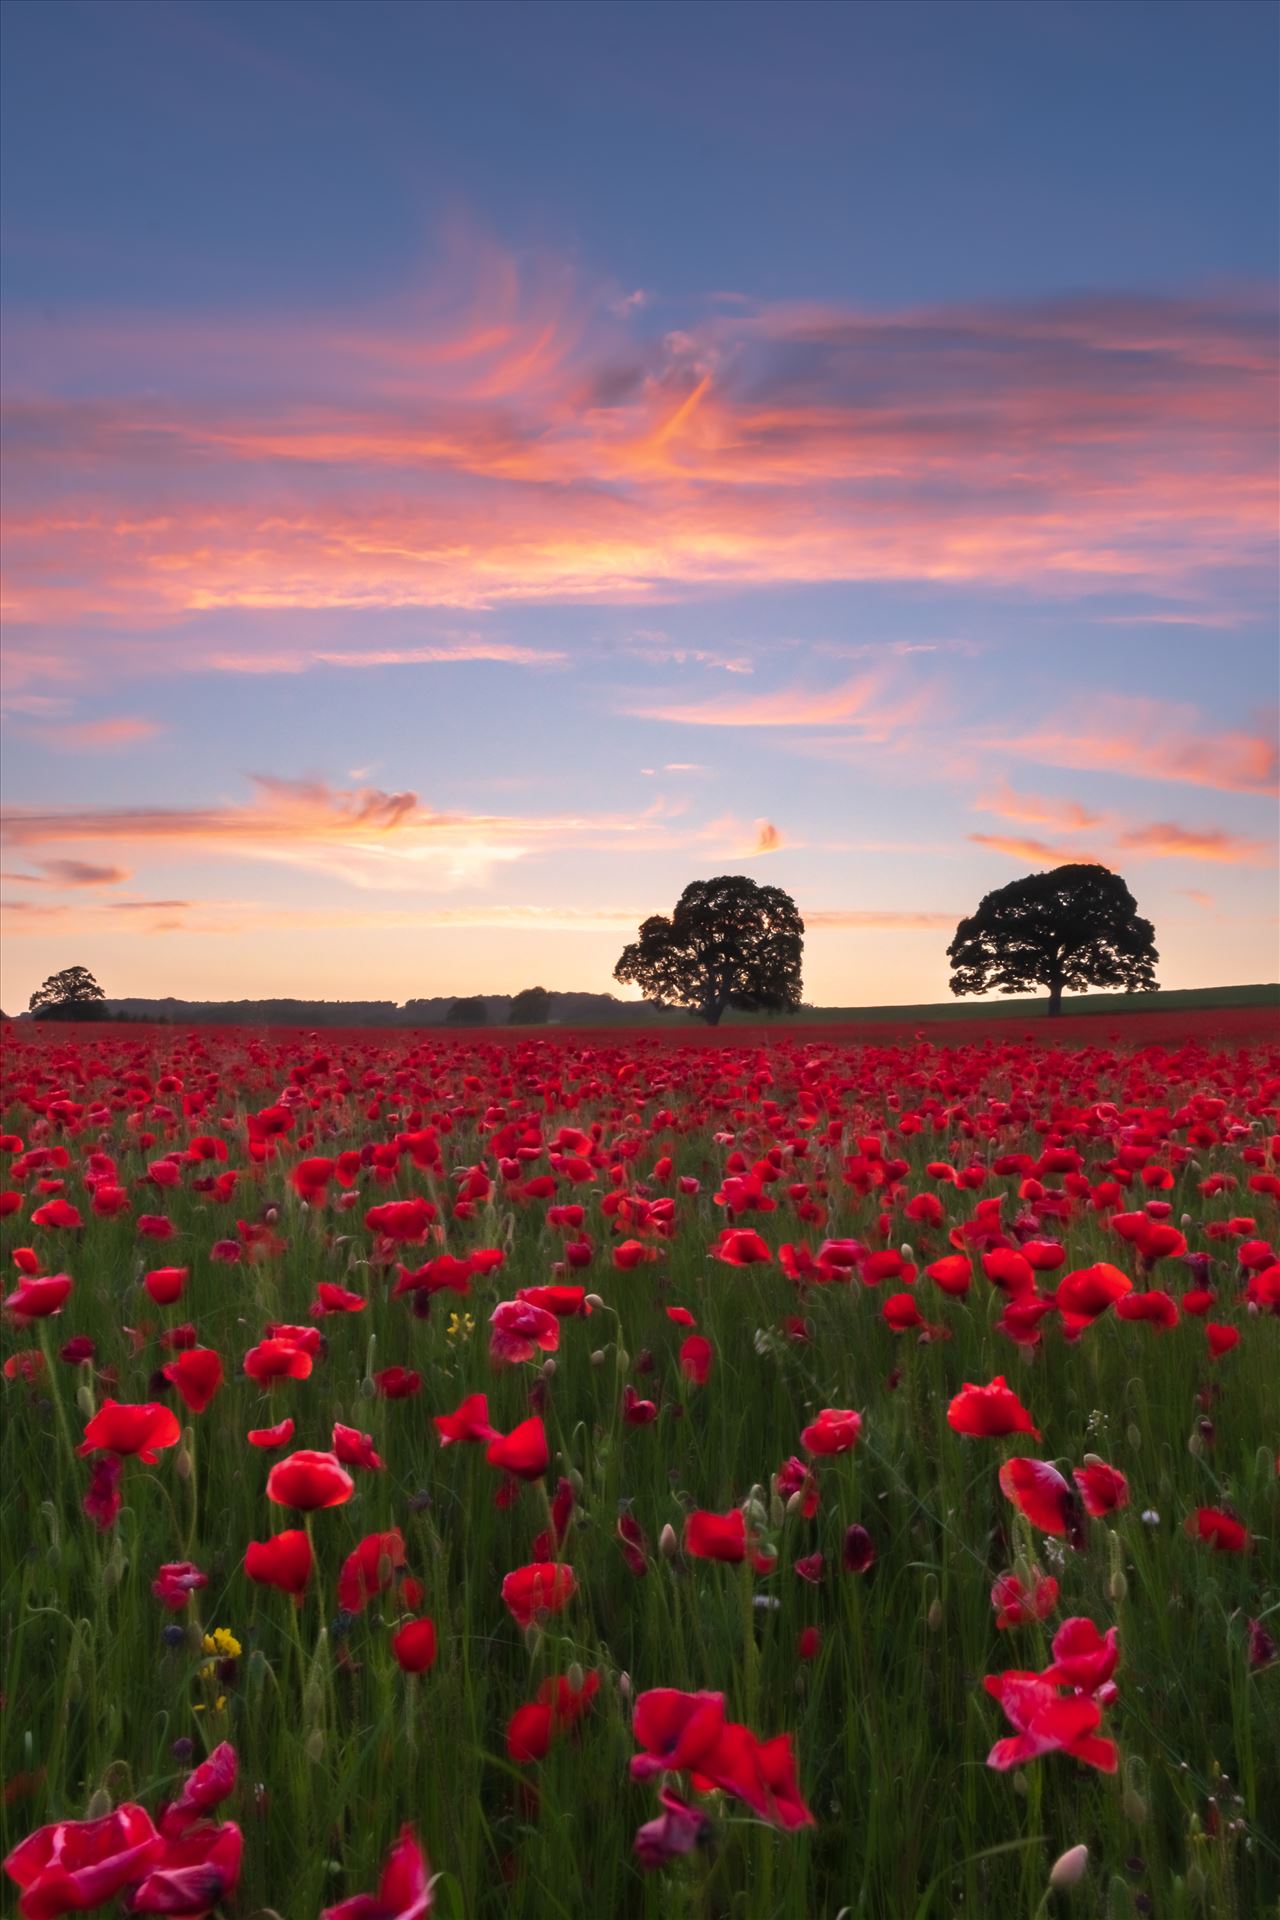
<point>1065,816</point>
<point>122,730</point>
<point>1039,852</point>
<point>1152,739</point>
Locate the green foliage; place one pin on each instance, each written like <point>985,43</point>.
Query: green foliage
<point>729,943</point>
<point>1077,926</point>
<point>470,1012</point>
<point>530,1008</point>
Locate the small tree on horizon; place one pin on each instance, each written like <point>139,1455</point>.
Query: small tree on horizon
<point>530,1008</point>
<point>1076,927</point>
<point>728,943</point>
<point>472,1011</point>
<point>73,994</point>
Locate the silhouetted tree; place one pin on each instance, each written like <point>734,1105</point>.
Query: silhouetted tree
<point>729,943</point>
<point>73,994</point>
<point>530,1008</point>
<point>1077,926</point>
<point>471,1012</point>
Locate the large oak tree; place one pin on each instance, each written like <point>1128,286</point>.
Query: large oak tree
<point>1077,926</point>
<point>728,943</point>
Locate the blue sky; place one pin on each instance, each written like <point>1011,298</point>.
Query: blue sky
<point>470,470</point>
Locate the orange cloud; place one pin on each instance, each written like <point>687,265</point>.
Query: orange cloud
<point>1036,850</point>
<point>514,436</point>
<point>768,837</point>
<point>71,873</point>
<point>1066,816</point>
<point>1152,739</point>
<point>123,730</point>
<point>1164,840</point>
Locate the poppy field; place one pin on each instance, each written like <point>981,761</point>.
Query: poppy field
<point>616,1474</point>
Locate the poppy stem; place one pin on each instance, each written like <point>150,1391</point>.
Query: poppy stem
<point>64,1424</point>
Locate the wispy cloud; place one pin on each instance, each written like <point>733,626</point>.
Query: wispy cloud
<point>1153,739</point>
<point>87,736</point>
<point>868,704</point>
<point>71,873</point>
<point>1165,840</point>
<point>1041,852</point>
<point>1066,816</point>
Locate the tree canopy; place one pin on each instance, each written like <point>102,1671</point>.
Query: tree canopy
<point>1077,926</point>
<point>73,994</point>
<point>728,943</point>
<point>531,1007</point>
<point>472,1011</point>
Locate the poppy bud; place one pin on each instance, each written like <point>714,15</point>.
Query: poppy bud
<point>1069,1869</point>
<point>549,1368</point>
<point>271,1215</point>
<point>593,1300</point>
<point>1195,1445</point>
<point>1197,1883</point>
<point>935,1616</point>
<point>625,1688</point>
<point>597,1358</point>
<point>84,1400</point>
<point>99,1805</point>
<point>668,1545</point>
<point>1135,1807</point>
<point>182,1463</point>
<point>576,1481</point>
<point>314,1744</point>
<point>1134,1435</point>
<point>574,1675</point>
<point>1020,1783</point>
<point>777,1510</point>
<point>624,1360</point>
<point>908,1252</point>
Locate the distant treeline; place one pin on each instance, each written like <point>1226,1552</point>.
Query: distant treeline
<point>534,1007</point>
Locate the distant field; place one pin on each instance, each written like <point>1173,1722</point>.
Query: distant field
<point>1017,1008</point>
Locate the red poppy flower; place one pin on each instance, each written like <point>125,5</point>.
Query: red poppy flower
<point>369,1569</point>
<point>556,1706</point>
<point>740,1247</point>
<point>1221,1338</point>
<point>1157,1307</point>
<point>414,1646</point>
<point>276,1359</point>
<point>678,1731</point>
<point>1040,1492</point>
<point>1047,1723</point>
<point>77,1864</point>
<point>635,1411</point>
<point>695,1359</point>
<point>404,1221</point>
<point>835,1430</point>
<point>38,1299</point>
<point>154,1226</point>
<point>165,1284</point>
<point>404,1891</point>
<point>269,1437</point>
<point>283,1561</point>
<point>310,1180</point>
<point>122,1428</point>
<point>1103,1489</point>
<point>953,1274</point>
<point>1015,1604</point>
<point>1083,1658</point>
<point>204,1788</point>
<point>355,1449</point>
<point>761,1773</point>
<point>192,1873</point>
<point>197,1374</point>
<point>309,1481</point>
<point>176,1582</point>
<point>858,1552</point>
<point>1009,1270</point>
<point>103,1500</point>
<point>331,1299</point>
<point>716,1536</point>
<point>566,1303</point>
<point>469,1422</point>
<point>1084,1295</point>
<point>522,1452</point>
<point>1219,1530</point>
<point>398,1383</point>
<point>544,1587</point>
<point>521,1330</point>
<point>677,1830</point>
<point>988,1412</point>
<point>57,1213</point>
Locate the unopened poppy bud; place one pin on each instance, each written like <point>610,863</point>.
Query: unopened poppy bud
<point>84,1400</point>
<point>796,1502</point>
<point>1135,1807</point>
<point>1118,1589</point>
<point>99,1805</point>
<point>1020,1783</point>
<point>271,1216</point>
<point>576,1481</point>
<point>549,1367</point>
<point>934,1616</point>
<point>593,1301</point>
<point>1197,1883</point>
<point>908,1252</point>
<point>574,1675</point>
<point>1069,1869</point>
<point>367,1389</point>
<point>1195,1445</point>
<point>182,1463</point>
<point>777,1509</point>
<point>668,1545</point>
<point>1134,1435</point>
<point>314,1744</point>
<point>1187,1222</point>
<point>597,1358</point>
<point>624,1359</point>
<point>625,1688</point>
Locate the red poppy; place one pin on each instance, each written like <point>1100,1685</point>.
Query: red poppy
<point>283,1561</point>
<point>369,1569</point>
<point>38,1299</point>
<point>678,1731</point>
<point>522,1452</point>
<point>695,1359</point>
<point>988,1412</point>
<point>1221,1338</point>
<point>544,1587</point>
<point>404,1221</point>
<point>556,1706</point>
<point>197,1374</point>
<point>1157,1307</point>
<point>277,1359</point>
<point>331,1299</point>
<point>953,1274</point>
<point>469,1422</point>
<point>1083,1658</point>
<point>103,1500</point>
<point>165,1284</point>
<point>1015,1603</point>
<point>398,1383</point>
<point>414,1646</point>
<point>1009,1270</point>
<point>858,1552</point>
<point>1047,1722</point>
<point>57,1213</point>
<point>309,1481</point>
<point>121,1428</point>
<point>1084,1295</point>
<point>404,1891</point>
<point>1040,1492</point>
<point>1219,1530</point>
<point>677,1830</point>
<point>716,1536</point>
<point>635,1411</point>
<point>270,1437</point>
<point>204,1788</point>
<point>835,1430</point>
<point>1103,1489</point>
<point>355,1449</point>
<point>740,1247</point>
<point>761,1773</point>
<point>310,1180</point>
<point>521,1331</point>
<point>191,1874</point>
<point>76,1864</point>
<point>176,1582</point>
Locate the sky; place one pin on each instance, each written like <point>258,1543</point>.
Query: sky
<point>470,470</point>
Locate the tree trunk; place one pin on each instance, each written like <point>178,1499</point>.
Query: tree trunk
<point>711,1011</point>
<point>1055,999</point>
